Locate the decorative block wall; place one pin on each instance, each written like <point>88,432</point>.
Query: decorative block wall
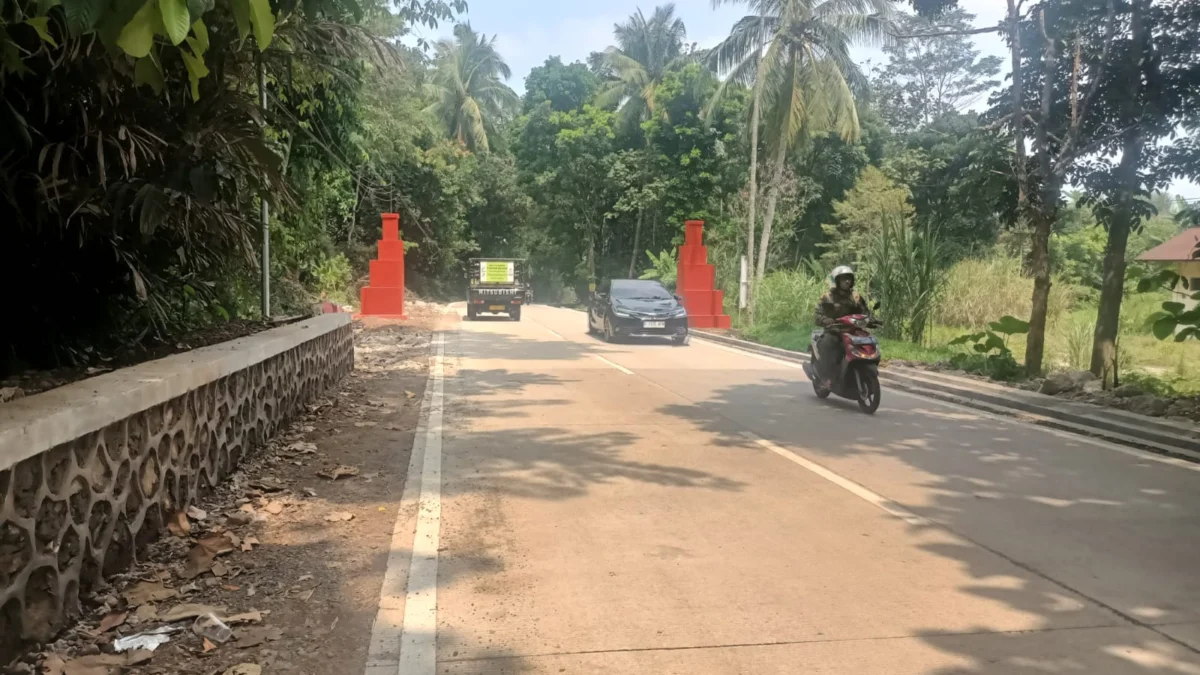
<point>696,281</point>
<point>90,472</point>
<point>384,296</point>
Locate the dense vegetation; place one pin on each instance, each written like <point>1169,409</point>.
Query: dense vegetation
<point>136,154</point>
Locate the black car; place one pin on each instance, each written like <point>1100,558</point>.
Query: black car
<point>638,308</point>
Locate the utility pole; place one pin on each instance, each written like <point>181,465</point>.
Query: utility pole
<point>265,212</point>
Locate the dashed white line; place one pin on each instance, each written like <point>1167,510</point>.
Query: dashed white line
<point>407,643</point>
<point>618,366</point>
<point>845,483</point>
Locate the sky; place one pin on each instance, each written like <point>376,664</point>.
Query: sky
<point>529,31</point>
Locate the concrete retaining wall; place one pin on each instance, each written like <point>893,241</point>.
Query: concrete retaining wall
<point>90,472</point>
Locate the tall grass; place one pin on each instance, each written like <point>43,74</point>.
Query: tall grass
<point>979,291</point>
<point>786,299</point>
<point>904,266</point>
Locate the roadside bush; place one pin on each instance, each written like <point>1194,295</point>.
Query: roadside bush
<point>978,289</point>
<point>787,298</point>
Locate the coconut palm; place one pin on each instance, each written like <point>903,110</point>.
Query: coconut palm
<point>645,50</point>
<point>468,83</point>
<point>796,56</point>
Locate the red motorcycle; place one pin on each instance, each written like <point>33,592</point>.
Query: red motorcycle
<point>857,378</point>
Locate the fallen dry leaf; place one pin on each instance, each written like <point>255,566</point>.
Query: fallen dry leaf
<point>253,637</point>
<point>146,612</point>
<point>196,514</point>
<point>338,472</point>
<point>137,656</point>
<point>339,517</point>
<point>364,424</point>
<point>208,646</point>
<point>231,588</point>
<point>97,664</point>
<point>244,669</point>
<point>111,621</point>
<point>148,591</point>
<point>253,616</point>
<point>249,543</point>
<point>189,611</point>
<point>274,508</point>
<point>393,427</point>
<point>204,553</point>
<point>179,525</point>
<point>219,569</point>
<point>409,395</point>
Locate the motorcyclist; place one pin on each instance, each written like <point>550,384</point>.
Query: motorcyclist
<point>841,300</point>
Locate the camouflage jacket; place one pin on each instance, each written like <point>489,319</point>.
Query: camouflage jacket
<point>835,304</point>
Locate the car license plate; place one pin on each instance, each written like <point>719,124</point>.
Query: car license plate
<point>496,308</point>
<point>654,324</point>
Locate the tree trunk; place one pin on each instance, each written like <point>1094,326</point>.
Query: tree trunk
<point>1112,285</point>
<point>755,112</point>
<point>1039,267</point>
<point>1042,215</point>
<point>637,235</point>
<point>773,188</point>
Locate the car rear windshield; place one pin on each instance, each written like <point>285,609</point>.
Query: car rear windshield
<point>640,290</point>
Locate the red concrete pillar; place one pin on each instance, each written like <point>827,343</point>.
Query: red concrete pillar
<point>696,281</point>
<point>384,295</point>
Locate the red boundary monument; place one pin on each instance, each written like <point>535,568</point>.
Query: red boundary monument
<point>384,295</point>
<point>696,281</point>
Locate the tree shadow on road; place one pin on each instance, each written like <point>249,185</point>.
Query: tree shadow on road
<point>1044,524</point>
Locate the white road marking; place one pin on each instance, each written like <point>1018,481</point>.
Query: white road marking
<point>618,366</point>
<point>406,641</point>
<point>552,332</point>
<point>845,483</point>
<point>986,414</point>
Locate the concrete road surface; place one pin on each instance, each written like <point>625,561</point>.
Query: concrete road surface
<point>649,509</point>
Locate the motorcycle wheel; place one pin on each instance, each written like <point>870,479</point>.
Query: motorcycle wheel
<point>819,390</point>
<point>868,390</point>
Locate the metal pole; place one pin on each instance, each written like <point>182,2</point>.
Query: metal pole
<point>265,212</point>
<point>744,284</point>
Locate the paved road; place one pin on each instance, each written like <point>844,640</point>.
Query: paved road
<point>654,509</point>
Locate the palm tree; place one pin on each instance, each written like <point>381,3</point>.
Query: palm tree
<point>645,50</point>
<point>796,56</point>
<point>468,82</point>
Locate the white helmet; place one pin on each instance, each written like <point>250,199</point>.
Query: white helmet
<point>838,272</point>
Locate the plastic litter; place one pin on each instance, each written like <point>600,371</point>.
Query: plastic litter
<point>150,640</point>
<point>209,626</point>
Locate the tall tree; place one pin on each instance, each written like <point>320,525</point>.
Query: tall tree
<point>935,73</point>
<point>645,49</point>
<point>1053,105</point>
<point>468,80</point>
<point>1153,90</point>
<point>565,87</point>
<point>797,55</point>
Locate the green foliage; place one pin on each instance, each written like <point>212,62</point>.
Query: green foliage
<point>991,354</point>
<point>905,268</point>
<point>564,87</point>
<point>787,298</point>
<point>664,267</point>
<point>874,200</point>
<point>472,99</point>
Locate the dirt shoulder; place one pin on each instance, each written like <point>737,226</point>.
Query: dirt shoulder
<point>292,560</point>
